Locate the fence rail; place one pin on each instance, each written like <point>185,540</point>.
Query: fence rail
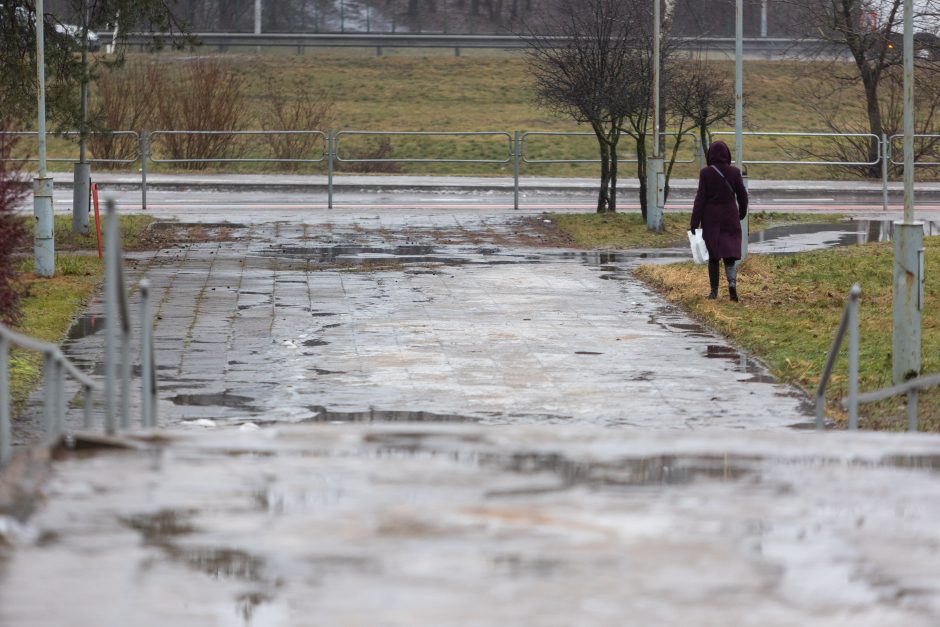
<point>130,135</point>
<point>518,144</point>
<point>56,365</point>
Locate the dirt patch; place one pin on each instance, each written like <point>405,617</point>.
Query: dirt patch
<point>166,234</point>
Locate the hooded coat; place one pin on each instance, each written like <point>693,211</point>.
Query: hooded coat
<point>715,209</point>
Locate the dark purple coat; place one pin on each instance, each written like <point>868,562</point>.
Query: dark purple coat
<point>715,210</point>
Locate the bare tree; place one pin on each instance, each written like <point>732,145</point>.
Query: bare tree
<point>870,32</point>
<point>591,73</point>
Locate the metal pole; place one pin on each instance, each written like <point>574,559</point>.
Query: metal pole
<point>60,396</point>
<point>763,18</point>
<point>81,180</point>
<point>144,150</point>
<point>146,358</point>
<point>49,401</point>
<point>258,22</point>
<point>657,34</point>
<point>909,237</point>
<point>111,318</point>
<point>125,377</point>
<point>6,446</point>
<point>89,400</point>
<point>853,359</point>
<point>329,167</point>
<point>654,164</point>
<point>885,157</point>
<point>739,105</point>
<point>44,241</point>
<point>515,168</point>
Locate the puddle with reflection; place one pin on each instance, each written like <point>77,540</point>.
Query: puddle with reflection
<point>217,399</point>
<point>321,414</point>
<point>86,325</point>
<point>743,363</point>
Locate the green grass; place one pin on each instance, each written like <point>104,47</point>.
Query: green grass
<point>433,91</point>
<point>133,230</point>
<point>791,306</point>
<point>628,230</point>
<point>51,305</point>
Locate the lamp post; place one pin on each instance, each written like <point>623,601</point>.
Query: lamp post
<point>909,238</point>
<point>739,106</point>
<point>655,178</point>
<point>81,181</point>
<point>44,241</point>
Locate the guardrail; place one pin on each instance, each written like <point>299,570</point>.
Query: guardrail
<point>56,365</point>
<point>75,134</point>
<point>518,145</point>
<point>767,47</point>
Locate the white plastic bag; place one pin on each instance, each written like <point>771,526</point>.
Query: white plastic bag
<point>699,251</point>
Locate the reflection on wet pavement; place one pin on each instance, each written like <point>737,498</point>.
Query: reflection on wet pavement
<point>461,525</point>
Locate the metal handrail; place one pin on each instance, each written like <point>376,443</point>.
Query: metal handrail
<point>890,151</point>
<point>69,134</point>
<point>339,158</point>
<point>910,388</point>
<point>525,159</point>
<point>877,160</point>
<point>849,321</point>
<point>56,366</point>
<point>154,135</point>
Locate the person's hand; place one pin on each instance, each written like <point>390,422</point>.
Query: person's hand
<point>692,230</point>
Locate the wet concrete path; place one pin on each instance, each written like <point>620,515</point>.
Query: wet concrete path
<point>328,323</point>
<point>701,507</point>
<point>466,525</point>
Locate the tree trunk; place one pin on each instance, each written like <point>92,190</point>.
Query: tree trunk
<point>603,194</point>
<point>612,195</point>
<point>873,109</point>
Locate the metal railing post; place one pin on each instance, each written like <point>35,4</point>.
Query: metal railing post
<point>6,445</point>
<point>885,157</point>
<point>111,317</point>
<point>844,322</point>
<point>853,364</point>
<point>146,356</point>
<point>49,401</point>
<point>59,397</point>
<point>515,169</point>
<point>144,149</point>
<point>912,409</point>
<point>88,406</point>
<point>126,368</point>
<point>329,168</point>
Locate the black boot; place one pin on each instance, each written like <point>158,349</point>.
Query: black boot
<point>713,279</point>
<point>731,271</point>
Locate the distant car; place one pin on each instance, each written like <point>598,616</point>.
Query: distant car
<point>71,31</point>
<point>75,32</point>
<point>926,46</point>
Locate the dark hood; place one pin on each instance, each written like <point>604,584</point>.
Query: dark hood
<point>718,152</point>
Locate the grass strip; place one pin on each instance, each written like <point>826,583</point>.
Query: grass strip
<point>791,307</point>
<point>628,230</point>
<point>50,305</point>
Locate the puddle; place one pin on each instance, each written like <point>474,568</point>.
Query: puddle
<point>321,414</point>
<point>157,528</point>
<point>218,399</point>
<point>316,343</point>
<point>86,325</point>
<point>805,237</point>
<point>743,364</point>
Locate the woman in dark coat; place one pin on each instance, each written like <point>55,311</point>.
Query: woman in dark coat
<point>720,218</point>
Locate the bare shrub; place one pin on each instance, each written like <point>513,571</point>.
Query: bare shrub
<point>306,113</point>
<point>125,100</point>
<point>203,95</point>
<point>13,232</point>
<point>380,148</point>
